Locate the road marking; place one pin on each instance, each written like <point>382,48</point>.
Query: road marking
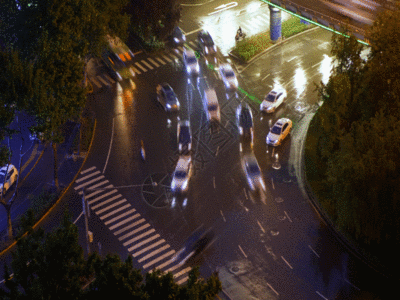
<point>124,221</point>
<point>109,207</point>
<point>151,254</point>
<point>160,60</point>
<point>265,77</point>
<point>182,280</point>
<point>244,189</point>
<point>129,227</point>
<point>140,66</point>
<point>144,242</point>
<point>109,148</point>
<point>96,192</point>
<point>242,251</point>
<point>223,216</point>
<point>147,64</point>
<point>182,272</point>
<point>158,259</point>
<point>272,181</point>
<point>89,182</point>
<point>106,202</point>
<point>95,82</point>
<point>319,294</point>
<point>132,233</point>
<point>194,31</point>
<point>172,268</point>
<point>166,58</point>
<point>288,216</point>
<point>120,216</point>
<point>148,248</point>
<point>87,176</point>
<point>272,289</point>
<point>102,196</point>
<point>316,254</point>
<point>93,187</point>
<point>142,235</point>
<point>259,224</point>
<point>214,181</point>
<point>153,62</point>
<point>181,48</point>
<point>136,70</point>
<point>88,170</point>
<point>163,265</point>
<point>114,211</point>
<point>216,153</point>
<point>102,80</point>
<point>287,262</point>
<point>109,78</point>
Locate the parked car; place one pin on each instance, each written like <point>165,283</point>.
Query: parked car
<point>167,98</point>
<point>190,61</point>
<point>244,121</point>
<point>279,132</point>
<point>273,99</point>
<point>184,137</point>
<point>8,177</point>
<point>182,174</point>
<point>253,172</point>
<point>228,76</point>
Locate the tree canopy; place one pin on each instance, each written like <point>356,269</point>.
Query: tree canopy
<point>52,266</point>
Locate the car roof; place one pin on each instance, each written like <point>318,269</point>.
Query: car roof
<point>184,123</point>
<point>183,162</point>
<point>189,52</point>
<point>282,121</point>
<point>4,168</point>
<point>166,86</point>
<point>245,116</point>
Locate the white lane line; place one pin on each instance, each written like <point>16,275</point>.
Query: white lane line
<point>175,55</point>
<point>214,181</point>
<point>259,224</point>
<point>102,196</point>
<point>147,64</point>
<point>286,262</point>
<point>315,65</point>
<point>181,48</point>
<point>194,45</point>
<point>106,202</point>
<point>316,254</point>
<point>120,216</point>
<point>109,78</point>
<point>95,82</point>
<point>96,192</point>
<point>151,254</point>
<point>87,176</point>
<point>136,70</point>
<point>182,280</point>
<point>144,242</point>
<point>148,248</point>
<point>102,80</point>
<point>129,227</point>
<point>265,77</point>
<point>351,284</point>
<point>141,67</point>
<point>322,296</point>
<point>216,153</point>
<point>172,268</point>
<point>163,265</point>
<point>158,259</point>
<point>110,206</point>
<point>242,251</point>
<point>223,217</point>
<point>109,148</point>
<point>89,182</point>
<point>244,189</point>
<point>288,216</point>
<point>143,235</point>
<point>153,62</point>
<point>124,221</point>
<point>93,187</point>
<point>272,181</point>
<point>193,31</point>
<point>160,60</point>
<point>114,211</point>
<point>182,272</point>
<point>132,233</point>
<point>88,170</point>
<point>166,58</point>
<point>272,289</point>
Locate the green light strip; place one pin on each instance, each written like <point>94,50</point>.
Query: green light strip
<point>251,97</point>
<point>311,21</point>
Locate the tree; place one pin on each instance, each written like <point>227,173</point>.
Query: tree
<point>52,266</point>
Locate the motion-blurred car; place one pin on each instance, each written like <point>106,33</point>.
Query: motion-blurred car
<point>184,137</point>
<point>190,61</point>
<point>228,77</point>
<point>273,99</point>
<point>206,43</point>
<point>178,38</point>
<point>279,132</point>
<point>197,242</point>
<point>244,121</point>
<point>182,174</point>
<point>211,105</point>
<point>167,98</point>
<point>253,172</point>
<point>8,177</point>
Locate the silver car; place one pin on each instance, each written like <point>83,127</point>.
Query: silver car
<point>167,98</point>
<point>190,61</point>
<point>253,172</point>
<point>273,100</point>
<point>182,174</point>
<point>228,76</point>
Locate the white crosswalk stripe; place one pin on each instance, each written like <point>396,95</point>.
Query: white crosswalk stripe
<point>153,62</point>
<point>160,60</point>
<point>132,230</point>
<point>93,80</point>
<point>102,80</point>
<point>147,64</point>
<point>140,66</point>
<point>109,78</point>
<point>136,71</point>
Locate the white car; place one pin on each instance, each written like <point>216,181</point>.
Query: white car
<point>190,61</point>
<point>8,178</point>
<point>182,174</point>
<point>228,76</point>
<point>279,132</point>
<point>273,99</point>
<point>253,172</point>
<point>184,137</point>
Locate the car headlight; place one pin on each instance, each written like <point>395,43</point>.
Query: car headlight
<point>188,69</point>
<point>168,105</point>
<point>206,50</point>
<point>176,40</point>
<point>132,72</point>
<point>180,147</point>
<point>185,184</point>
<point>215,48</point>
<point>197,68</point>
<point>119,76</point>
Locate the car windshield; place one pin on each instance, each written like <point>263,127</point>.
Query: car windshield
<point>170,95</point>
<point>229,74</point>
<point>191,60</point>
<point>271,97</point>
<point>276,130</point>
<point>208,40</point>
<point>253,169</point>
<point>245,119</point>
<point>212,107</point>
<point>184,136</point>
<point>180,174</point>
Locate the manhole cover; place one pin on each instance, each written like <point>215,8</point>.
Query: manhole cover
<point>156,190</point>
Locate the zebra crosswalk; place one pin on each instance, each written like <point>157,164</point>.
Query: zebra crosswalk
<point>131,229</point>
<point>146,64</point>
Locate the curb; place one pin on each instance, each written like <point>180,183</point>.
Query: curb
<point>61,196</point>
